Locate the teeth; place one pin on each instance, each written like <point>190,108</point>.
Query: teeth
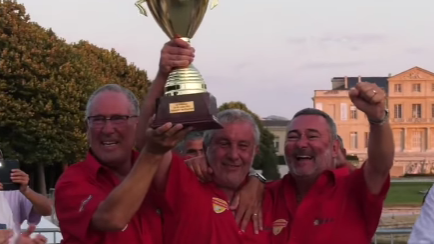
<point>109,143</point>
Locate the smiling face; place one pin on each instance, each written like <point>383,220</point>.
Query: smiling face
<point>194,148</point>
<point>231,153</point>
<point>309,148</point>
<point>111,141</point>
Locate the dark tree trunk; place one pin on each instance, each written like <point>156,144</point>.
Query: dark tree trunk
<point>41,180</point>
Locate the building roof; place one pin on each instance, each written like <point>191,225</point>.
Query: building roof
<point>275,123</point>
<point>352,82</point>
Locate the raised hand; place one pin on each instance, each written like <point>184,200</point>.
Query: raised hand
<point>200,167</point>
<point>175,54</point>
<point>370,99</point>
<point>165,138</point>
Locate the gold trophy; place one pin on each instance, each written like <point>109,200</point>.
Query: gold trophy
<point>186,99</point>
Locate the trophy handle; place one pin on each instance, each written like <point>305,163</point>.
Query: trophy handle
<point>214,4</point>
<point>139,4</point>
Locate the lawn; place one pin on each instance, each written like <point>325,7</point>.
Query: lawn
<point>406,194</point>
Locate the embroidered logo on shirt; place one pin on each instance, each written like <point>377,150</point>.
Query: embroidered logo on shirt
<point>219,205</point>
<point>278,226</point>
<point>84,203</point>
<point>322,221</point>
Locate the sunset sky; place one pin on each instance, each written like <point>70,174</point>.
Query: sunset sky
<point>271,54</point>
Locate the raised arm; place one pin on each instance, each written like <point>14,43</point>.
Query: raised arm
<point>40,203</point>
<point>371,100</point>
<point>175,54</point>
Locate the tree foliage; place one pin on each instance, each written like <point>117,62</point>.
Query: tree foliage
<point>44,86</point>
<point>266,160</point>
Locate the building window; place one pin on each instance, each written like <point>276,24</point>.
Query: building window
<point>397,111</point>
<point>366,139</point>
<point>417,111</point>
<point>432,87</point>
<point>416,87</point>
<point>353,112</point>
<point>417,140</point>
<point>344,111</point>
<point>276,143</point>
<point>398,88</point>
<point>353,140</point>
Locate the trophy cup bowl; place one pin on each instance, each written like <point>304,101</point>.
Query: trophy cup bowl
<point>186,100</point>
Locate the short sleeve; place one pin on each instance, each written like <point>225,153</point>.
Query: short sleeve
<point>75,204</point>
<point>181,183</point>
<point>423,228</point>
<point>371,204</point>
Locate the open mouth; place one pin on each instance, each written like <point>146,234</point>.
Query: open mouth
<point>304,157</point>
<point>109,143</point>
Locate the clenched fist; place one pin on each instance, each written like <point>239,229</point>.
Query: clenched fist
<point>370,99</point>
<point>175,54</point>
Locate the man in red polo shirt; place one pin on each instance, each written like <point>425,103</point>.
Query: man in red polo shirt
<point>319,204</point>
<point>196,212</point>
<point>103,199</point>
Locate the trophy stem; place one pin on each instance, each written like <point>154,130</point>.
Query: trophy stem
<point>185,81</point>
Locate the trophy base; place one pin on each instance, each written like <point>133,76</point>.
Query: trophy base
<point>195,110</point>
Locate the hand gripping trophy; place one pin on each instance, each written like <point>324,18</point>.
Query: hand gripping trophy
<point>186,99</point>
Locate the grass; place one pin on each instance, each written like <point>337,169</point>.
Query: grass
<point>406,194</point>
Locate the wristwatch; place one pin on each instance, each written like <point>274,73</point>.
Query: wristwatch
<point>380,121</point>
<point>260,177</point>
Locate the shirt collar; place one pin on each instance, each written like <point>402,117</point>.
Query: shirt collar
<point>93,164</point>
<point>329,175</point>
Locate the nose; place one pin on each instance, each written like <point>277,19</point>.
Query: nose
<point>108,128</point>
<point>233,153</point>
<point>302,142</point>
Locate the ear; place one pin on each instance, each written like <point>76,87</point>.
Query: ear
<point>336,147</point>
<point>257,150</point>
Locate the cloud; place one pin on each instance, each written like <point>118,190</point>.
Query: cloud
<point>329,65</point>
<point>334,38</point>
<point>418,50</point>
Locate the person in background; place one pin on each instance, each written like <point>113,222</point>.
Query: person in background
<point>25,203</point>
<point>9,234</point>
<point>422,232</point>
<point>342,156</point>
<point>191,146</point>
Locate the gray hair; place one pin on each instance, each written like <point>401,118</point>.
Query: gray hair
<point>194,135</point>
<point>114,88</point>
<point>329,120</point>
<point>232,116</point>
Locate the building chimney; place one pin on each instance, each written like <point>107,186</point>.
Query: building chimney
<point>346,83</point>
<point>360,79</point>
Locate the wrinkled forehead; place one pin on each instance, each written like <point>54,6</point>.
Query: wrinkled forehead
<point>304,123</point>
<point>238,131</point>
<point>110,103</point>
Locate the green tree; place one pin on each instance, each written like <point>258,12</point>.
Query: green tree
<point>44,86</point>
<point>266,160</point>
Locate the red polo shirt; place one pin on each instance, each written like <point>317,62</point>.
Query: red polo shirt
<point>78,193</point>
<point>339,209</point>
<point>195,212</point>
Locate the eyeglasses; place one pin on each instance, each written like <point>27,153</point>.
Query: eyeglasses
<point>99,121</point>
